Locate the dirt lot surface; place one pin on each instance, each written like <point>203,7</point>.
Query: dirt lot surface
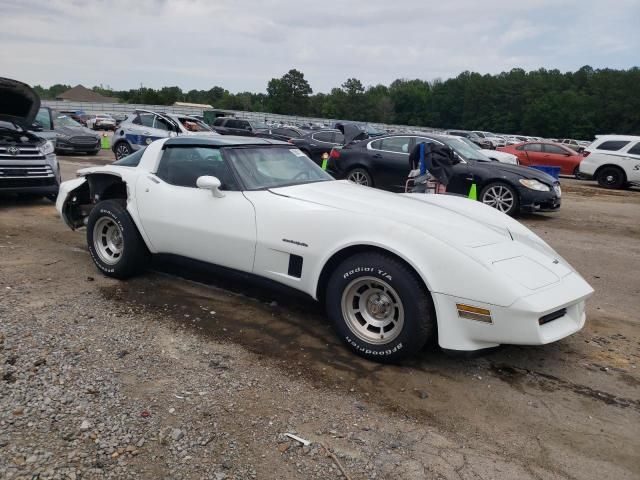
<point>196,374</point>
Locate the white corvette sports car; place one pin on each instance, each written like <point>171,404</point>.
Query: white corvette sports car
<point>393,270</point>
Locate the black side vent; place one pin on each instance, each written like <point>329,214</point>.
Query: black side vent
<point>550,317</point>
<point>295,266</point>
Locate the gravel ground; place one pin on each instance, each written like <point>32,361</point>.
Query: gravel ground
<point>167,377</point>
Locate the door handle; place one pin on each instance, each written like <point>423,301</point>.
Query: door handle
<point>469,178</point>
<point>377,155</point>
<point>146,133</point>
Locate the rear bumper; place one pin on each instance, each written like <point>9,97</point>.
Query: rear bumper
<point>518,324</point>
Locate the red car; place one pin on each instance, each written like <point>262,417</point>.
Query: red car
<point>547,154</point>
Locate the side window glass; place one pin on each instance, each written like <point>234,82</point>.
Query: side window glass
<point>635,150</point>
<point>323,136</point>
<point>161,124</point>
<point>146,119</point>
<point>376,145</point>
<point>218,121</point>
<point>533,147</point>
<point>554,149</point>
<point>396,144</point>
<point>338,138</point>
<point>182,166</point>
<point>613,145</point>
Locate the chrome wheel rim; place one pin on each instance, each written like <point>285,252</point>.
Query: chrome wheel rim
<point>611,179</point>
<point>499,197</point>
<point>372,310</point>
<point>107,240</point>
<point>122,151</point>
<point>358,177</point>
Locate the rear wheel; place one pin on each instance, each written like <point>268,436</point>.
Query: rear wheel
<point>360,176</point>
<point>611,177</point>
<point>122,150</point>
<point>500,196</point>
<point>380,307</point>
<point>114,241</point>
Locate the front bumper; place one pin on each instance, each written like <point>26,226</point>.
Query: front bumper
<point>517,324</point>
<point>66,147</point>
<point>534,201</point>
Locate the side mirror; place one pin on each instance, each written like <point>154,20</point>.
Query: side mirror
<point>208,182</point>
<point>36,126</point>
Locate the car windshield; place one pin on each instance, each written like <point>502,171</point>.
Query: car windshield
<point>269,167</point>
<point>465,151</point>
<point>470,143</point>
<point>65,121</point>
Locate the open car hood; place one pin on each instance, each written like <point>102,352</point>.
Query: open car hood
<point>19,103</point>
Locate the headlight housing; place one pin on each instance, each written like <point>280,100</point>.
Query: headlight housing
<point>534,185</point>
<point>46,148</point>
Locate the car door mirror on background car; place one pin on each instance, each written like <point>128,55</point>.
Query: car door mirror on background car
<point>209,182</point>
<point>36,126</point>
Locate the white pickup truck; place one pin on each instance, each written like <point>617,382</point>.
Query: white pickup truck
<point>613,160</point>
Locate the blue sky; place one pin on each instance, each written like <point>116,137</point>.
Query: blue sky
<point>240,45</point>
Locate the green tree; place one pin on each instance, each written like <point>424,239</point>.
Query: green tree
<point>289,94</point>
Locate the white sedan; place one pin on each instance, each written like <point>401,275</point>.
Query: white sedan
<point>393,270</point>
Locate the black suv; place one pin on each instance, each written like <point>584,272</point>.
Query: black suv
<point>28,164</point>
<point>238,126</point>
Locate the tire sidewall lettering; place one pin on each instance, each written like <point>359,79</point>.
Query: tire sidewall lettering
<point>375,270</point>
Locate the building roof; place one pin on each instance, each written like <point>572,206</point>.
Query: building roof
<point>83,94</point>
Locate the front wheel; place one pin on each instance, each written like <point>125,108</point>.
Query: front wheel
<point>611,177</point>
<point>122,150</point>
<point>380,307</point>
<point>360,176</point>
<point>114,242</point>
<point>500,196</point>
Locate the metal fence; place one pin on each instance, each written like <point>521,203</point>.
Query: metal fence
<point>115,108</point>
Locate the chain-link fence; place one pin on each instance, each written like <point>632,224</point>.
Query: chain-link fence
<point>126,108</point>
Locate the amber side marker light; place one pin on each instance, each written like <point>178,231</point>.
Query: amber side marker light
<point>474,313</point>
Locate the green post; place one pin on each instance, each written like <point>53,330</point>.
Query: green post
<point>473,193</point>
<point>106,141</point>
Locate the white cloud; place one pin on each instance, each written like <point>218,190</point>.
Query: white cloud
<point>240,45</point>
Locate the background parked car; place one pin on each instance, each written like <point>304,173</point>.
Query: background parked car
<point>496,155</point>
<point>283,133</point>
<point>572,144</point>
<point>480,141</point>
<point>546,154</point>
<point>72,137</point>
<point>384,163</point>
<point>119,118</point>
<point>238,126</point>
<point>613,160</point>
<point>144,126</point>
<point>493,139</point>
<point>315,143</point>
<point>102,121</point>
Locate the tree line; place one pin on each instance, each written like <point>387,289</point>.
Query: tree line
<point>546,103</point>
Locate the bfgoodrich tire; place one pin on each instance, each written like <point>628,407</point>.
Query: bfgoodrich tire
<point>379,307</point>
<point>114,242</point>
